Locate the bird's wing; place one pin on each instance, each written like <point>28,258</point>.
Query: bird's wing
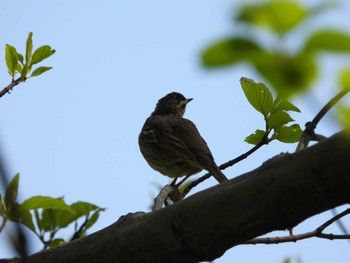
<point>191,137</point>
<point>199,148</point>
<point>163,132</point>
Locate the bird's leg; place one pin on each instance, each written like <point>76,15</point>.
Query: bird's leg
<point>173,182</point>
<point>175,195</point>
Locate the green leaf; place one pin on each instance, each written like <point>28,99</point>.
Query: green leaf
<point>344,79</point>
<point>29,48</point>
<point>50,219</point>
<point>26,219</point>
<point>20,65</point>
<point>289,134</point>
<point>42,53</point>
<point>278,16</point>
<point>328,40</point>
<point>45,202</point>
<point>53,219</point>
<point>38,220</point>
<point>56,218</point>
<point>11,58</point>
<point>230,51</point>
<point>2,207</point>
<point>256,137</point>
<point>11,193</point>
<point>24,72</point>
<point>285,105</point>
<point>19,68</point>
<point>277,119</point>
<point>258,95</point>
<point>20,57</point>
<point>13,212</point>
<point>92,220</point>
<point>56,242</point>
<point>288,74</point>
<point>83,208</point>
<point>40,71</point>
<point>343,115</point>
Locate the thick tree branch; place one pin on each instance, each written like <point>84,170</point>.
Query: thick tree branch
<point>278,195</point>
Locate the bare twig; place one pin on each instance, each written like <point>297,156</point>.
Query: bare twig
<point>230,163</point>
<point>309,132</point>
<point>8,88</point>
<point>294,238</point>
<point>163,194</point>
<point>340,224</point>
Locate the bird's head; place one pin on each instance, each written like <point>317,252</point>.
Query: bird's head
<point>172,103</point>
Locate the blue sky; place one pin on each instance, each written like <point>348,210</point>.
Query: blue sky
<point>73,131</point>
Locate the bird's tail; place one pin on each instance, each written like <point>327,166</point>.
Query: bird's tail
<point>218,175</point>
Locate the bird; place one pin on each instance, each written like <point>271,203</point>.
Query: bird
<point>172,144</point>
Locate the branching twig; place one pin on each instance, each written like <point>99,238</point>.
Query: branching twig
<point>230,163</point>
<point>309,132</point>
<point>340,224</point>
<point>8,88</point>
<point>294,238</point>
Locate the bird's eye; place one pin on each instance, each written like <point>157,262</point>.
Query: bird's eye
<point>182,105</point>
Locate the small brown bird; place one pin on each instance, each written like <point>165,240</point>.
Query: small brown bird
<point>172,144</point>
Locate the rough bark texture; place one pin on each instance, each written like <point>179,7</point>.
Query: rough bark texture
<point>280,194</point>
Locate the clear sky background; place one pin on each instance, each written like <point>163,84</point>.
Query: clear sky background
<point>73,131</point>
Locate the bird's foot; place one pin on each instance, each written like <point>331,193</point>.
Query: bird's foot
<point>175,195</point>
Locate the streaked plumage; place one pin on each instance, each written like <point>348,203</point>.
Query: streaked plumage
<point>172,144</point>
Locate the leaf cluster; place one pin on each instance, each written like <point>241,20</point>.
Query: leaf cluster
<point>275,113</point>
<point>45,215</point>
<point>17,63</point>
<point>288,71</point>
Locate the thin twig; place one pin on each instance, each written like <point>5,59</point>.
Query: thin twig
<point>294,238</point>
<point>77,234</point>
<point>329,105</point>
<point>340,224</point>
<point>309,132</point>
<point>8,88</point>
<point>230,163</point>
<point>332,220</point>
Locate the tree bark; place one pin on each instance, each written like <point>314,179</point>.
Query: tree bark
<point>278,195</point>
